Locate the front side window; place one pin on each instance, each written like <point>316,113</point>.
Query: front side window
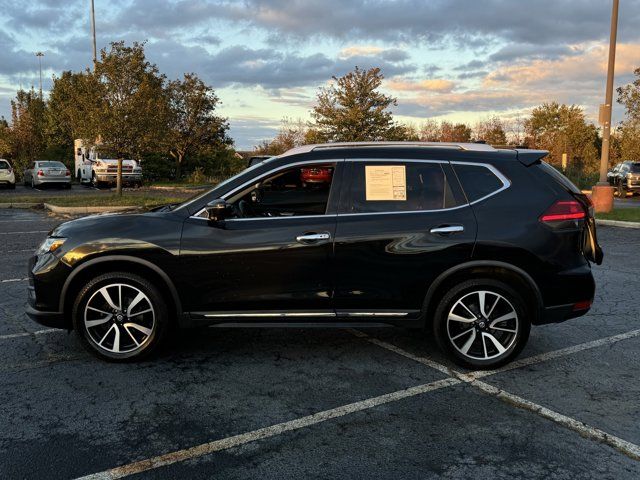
<point>295,191</point>
<point>378,187</point>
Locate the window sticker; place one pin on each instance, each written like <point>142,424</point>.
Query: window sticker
<point>385,182</point>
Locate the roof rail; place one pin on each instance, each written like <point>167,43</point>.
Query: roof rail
<point>481,147</point>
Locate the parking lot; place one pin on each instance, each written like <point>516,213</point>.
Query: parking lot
<point>321,403</point>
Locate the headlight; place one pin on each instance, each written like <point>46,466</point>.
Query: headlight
<point>50,245</point>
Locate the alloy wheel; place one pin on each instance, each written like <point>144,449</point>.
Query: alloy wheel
<point>482,325</point>
<point>119,318</point>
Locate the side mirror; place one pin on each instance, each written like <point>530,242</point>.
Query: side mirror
<point>218,210</point>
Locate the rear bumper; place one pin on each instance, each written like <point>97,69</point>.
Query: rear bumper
<point>560,313</point>
<point>51,180</point>
<point>112,178</point>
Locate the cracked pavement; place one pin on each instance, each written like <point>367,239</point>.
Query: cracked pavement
<point>64,414</point>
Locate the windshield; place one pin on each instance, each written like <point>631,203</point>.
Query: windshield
<point>50,164</point>
<point>634,168</point>
<point>197,197</point>
<point>4,165</point>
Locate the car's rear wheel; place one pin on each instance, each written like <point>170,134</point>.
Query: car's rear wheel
<point>120,316</point>
<point>482,323</point>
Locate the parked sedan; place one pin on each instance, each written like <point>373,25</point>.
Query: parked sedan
<point>47,172</point>
<point>7,176</point>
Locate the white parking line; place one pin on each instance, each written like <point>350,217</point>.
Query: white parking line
<point>454,378</point>
<point>630,449</point>
<point>19,251</point>
<point>267,432</point>
<point>543,357</point>
<point>28,334</point>
<point>7,280</point>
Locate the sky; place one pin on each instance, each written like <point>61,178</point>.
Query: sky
<point>457,60</point>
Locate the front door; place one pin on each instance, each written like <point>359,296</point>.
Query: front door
<point>273,257</point>
<point>401,224</point>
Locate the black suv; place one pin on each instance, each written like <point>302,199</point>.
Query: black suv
<point>474,242</point>
<point>625,176</point>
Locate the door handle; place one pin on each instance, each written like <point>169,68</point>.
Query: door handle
<point>446,229</point>
<point>313,237</point>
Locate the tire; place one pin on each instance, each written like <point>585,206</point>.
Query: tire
<point>33,185</point>
<point>473,342</point>
<point>102,322</point>
<point>12,186</point>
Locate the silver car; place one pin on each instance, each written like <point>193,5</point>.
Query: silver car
<point>7,176</point>
<point>47,172</point>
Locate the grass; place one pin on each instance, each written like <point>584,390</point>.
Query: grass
<point>623,214</point>
<point>106,200</point>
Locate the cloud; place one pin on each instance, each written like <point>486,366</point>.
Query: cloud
<point>432,85</point>
<point>544,22</point>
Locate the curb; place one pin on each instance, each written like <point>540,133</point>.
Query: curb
<point>617,223</point>
<point>19,205</point>
<point>186,188</point>
<point>72,210</point>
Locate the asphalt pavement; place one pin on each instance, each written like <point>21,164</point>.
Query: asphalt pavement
<point>321,403</point>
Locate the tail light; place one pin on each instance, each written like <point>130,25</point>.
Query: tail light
<point>40,173</point>
<point>564,210</point>
<point>67,174</point>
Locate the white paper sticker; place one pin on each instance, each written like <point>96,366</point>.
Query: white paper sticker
<point>385,182</point>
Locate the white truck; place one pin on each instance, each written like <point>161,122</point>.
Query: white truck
<point>94,168</point>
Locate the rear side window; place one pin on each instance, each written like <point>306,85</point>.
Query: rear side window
<point>4,165</point>
<point>559,177</point>
<point>477,181</point>
<point>394,186</point>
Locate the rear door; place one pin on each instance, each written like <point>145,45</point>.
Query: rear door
<point>401,223</point>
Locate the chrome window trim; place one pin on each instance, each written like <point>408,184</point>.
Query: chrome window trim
<point>506,183</point>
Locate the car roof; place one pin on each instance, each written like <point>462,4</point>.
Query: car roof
<point>467,150</point>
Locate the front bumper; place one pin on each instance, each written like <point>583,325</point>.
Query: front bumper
<point>48,319</point>
<point>112,177</point>
<point>46,277</point>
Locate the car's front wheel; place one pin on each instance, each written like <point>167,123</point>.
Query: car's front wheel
<point>482,323</point>
<point>120,316</point>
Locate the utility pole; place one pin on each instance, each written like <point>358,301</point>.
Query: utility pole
<point>93,35</point>
<point>602,193</point>
<point>40,55</point>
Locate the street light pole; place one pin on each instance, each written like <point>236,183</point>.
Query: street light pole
<point>602,193</point>
<point>93,35</point>
<point>40,55</point>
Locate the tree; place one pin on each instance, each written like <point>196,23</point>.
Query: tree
<point>629,131</point>
<point>629,96</point>
<point>455,133</point>
<point>133,103</point>
<point>563,129</point>
<point>491,131</point>
<point>193,123</point>
<point>27,128</point>
<point>74,107</point>
<point>352,108</point>
<point>6,144</point>
<point>430,131</point>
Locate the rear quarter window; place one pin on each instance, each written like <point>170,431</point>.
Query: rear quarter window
<point>477,181</point>
<point>558,177</point>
